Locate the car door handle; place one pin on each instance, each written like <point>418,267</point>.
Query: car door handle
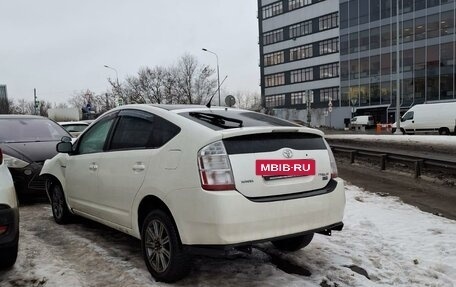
<point>139,166</point>
<point>93,166</point>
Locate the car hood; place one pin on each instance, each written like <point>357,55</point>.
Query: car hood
<point>31,151</point>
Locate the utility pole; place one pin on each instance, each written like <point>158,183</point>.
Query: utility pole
<point>398,82</point>
<point>35,102</point>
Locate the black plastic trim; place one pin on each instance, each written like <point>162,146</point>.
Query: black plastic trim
<point>330,187</point>
<point>220,250</point>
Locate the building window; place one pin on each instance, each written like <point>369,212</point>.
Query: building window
<point>329,94</point>
<point>329,46</point>
<point>302,75</point>
<point>275,101</point>
<point>329,71</point>
<point>272,10</point>
<point>273,37</point>
<point>295,4</point>
<point>300,29</point>
<point>328,22</point>
<point>300,98</point>
<point>273,58</point>
<point>274,80</point>
<point>301,52</point>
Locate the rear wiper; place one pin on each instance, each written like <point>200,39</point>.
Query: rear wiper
<point>216,119</point>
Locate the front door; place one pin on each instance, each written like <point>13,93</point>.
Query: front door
<point>83,166</point>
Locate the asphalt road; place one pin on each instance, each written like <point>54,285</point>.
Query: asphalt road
<point>427,194</point>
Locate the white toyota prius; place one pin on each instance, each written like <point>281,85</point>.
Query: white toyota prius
<point>192,179</point>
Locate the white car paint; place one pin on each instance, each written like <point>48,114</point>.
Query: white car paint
<point>109,186</point>
<point>9,217</point>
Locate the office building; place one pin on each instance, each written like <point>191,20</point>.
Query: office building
<point>368,48</point>
<point>299,58</point>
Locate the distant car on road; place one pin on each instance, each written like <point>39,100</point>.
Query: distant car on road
<point>362,121</point>
<point>188,179</point>
<point>9,218</point>
<point>27,141</point>
<point>74,128</point>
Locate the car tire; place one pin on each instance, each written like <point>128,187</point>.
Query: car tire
<point>293,243</point>
<point>162,251</point>
<point>444,131</point>
<point>60,210</point>
<point>9,255</point>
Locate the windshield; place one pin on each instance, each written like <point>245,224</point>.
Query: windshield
<point>30,130</point>
<point>75,127</point>
<point>226,119</point>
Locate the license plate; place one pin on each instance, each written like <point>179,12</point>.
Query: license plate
<point>294,167</point>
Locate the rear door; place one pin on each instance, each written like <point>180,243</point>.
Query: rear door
<point>133,150</point>
<point>298,162</point>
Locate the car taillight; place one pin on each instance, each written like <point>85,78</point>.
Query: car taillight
<point>215,168</point>
<point>332,161</point>
<point>3,229</point>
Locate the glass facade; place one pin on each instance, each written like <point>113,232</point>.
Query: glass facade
<point>368,41</point>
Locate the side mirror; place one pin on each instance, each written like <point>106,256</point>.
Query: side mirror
<point>65,147</point>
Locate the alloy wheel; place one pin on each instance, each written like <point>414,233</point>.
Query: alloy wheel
<point>157,245</point>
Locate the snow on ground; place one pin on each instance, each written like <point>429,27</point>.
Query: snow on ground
<point>396,244</point>
<point>443,141</point>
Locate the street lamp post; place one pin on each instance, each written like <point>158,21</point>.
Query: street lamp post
<point>398,82</point>
<point>117,77</point>
<point>218,73</point>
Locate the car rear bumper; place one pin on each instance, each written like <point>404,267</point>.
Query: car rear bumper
<point>228,218</point>
<point>9,217</point>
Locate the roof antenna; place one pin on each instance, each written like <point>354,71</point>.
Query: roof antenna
<point>210,100</point>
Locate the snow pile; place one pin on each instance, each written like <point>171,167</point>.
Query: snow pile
<point>392,243</point>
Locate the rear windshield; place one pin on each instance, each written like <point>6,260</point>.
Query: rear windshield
<point>30,130</point>
<point>228,119</point>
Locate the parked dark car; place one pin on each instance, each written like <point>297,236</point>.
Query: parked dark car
<point>27,141</point>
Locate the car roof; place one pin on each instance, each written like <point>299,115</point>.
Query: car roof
<point>179,107</point>
<point>20,117</point>
<point>74,123</point>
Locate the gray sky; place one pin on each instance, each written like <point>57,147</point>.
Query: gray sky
<point>59,47</point>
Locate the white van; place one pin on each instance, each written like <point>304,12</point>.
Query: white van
<point>366,121</point>
<point>429,118</point>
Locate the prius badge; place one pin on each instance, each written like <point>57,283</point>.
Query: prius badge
<point>287,153</point>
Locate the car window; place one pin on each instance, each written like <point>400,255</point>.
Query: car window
<point>31,129</point>
<point>141,130</point>
<point>93,141</point>
<point>408,116</point>
<point>353,120</point>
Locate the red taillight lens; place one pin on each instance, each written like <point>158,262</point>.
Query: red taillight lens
<point>215,168</point>
<point>3,229</point>
<point>332,161</point>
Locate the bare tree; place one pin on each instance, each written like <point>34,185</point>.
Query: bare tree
<point>186,83</point>
<point>248,100</point>
<point>44,107</point>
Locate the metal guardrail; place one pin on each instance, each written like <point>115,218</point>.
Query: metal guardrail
<point>419,162</point>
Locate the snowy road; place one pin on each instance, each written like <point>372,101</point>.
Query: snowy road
<point>395,243</point>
